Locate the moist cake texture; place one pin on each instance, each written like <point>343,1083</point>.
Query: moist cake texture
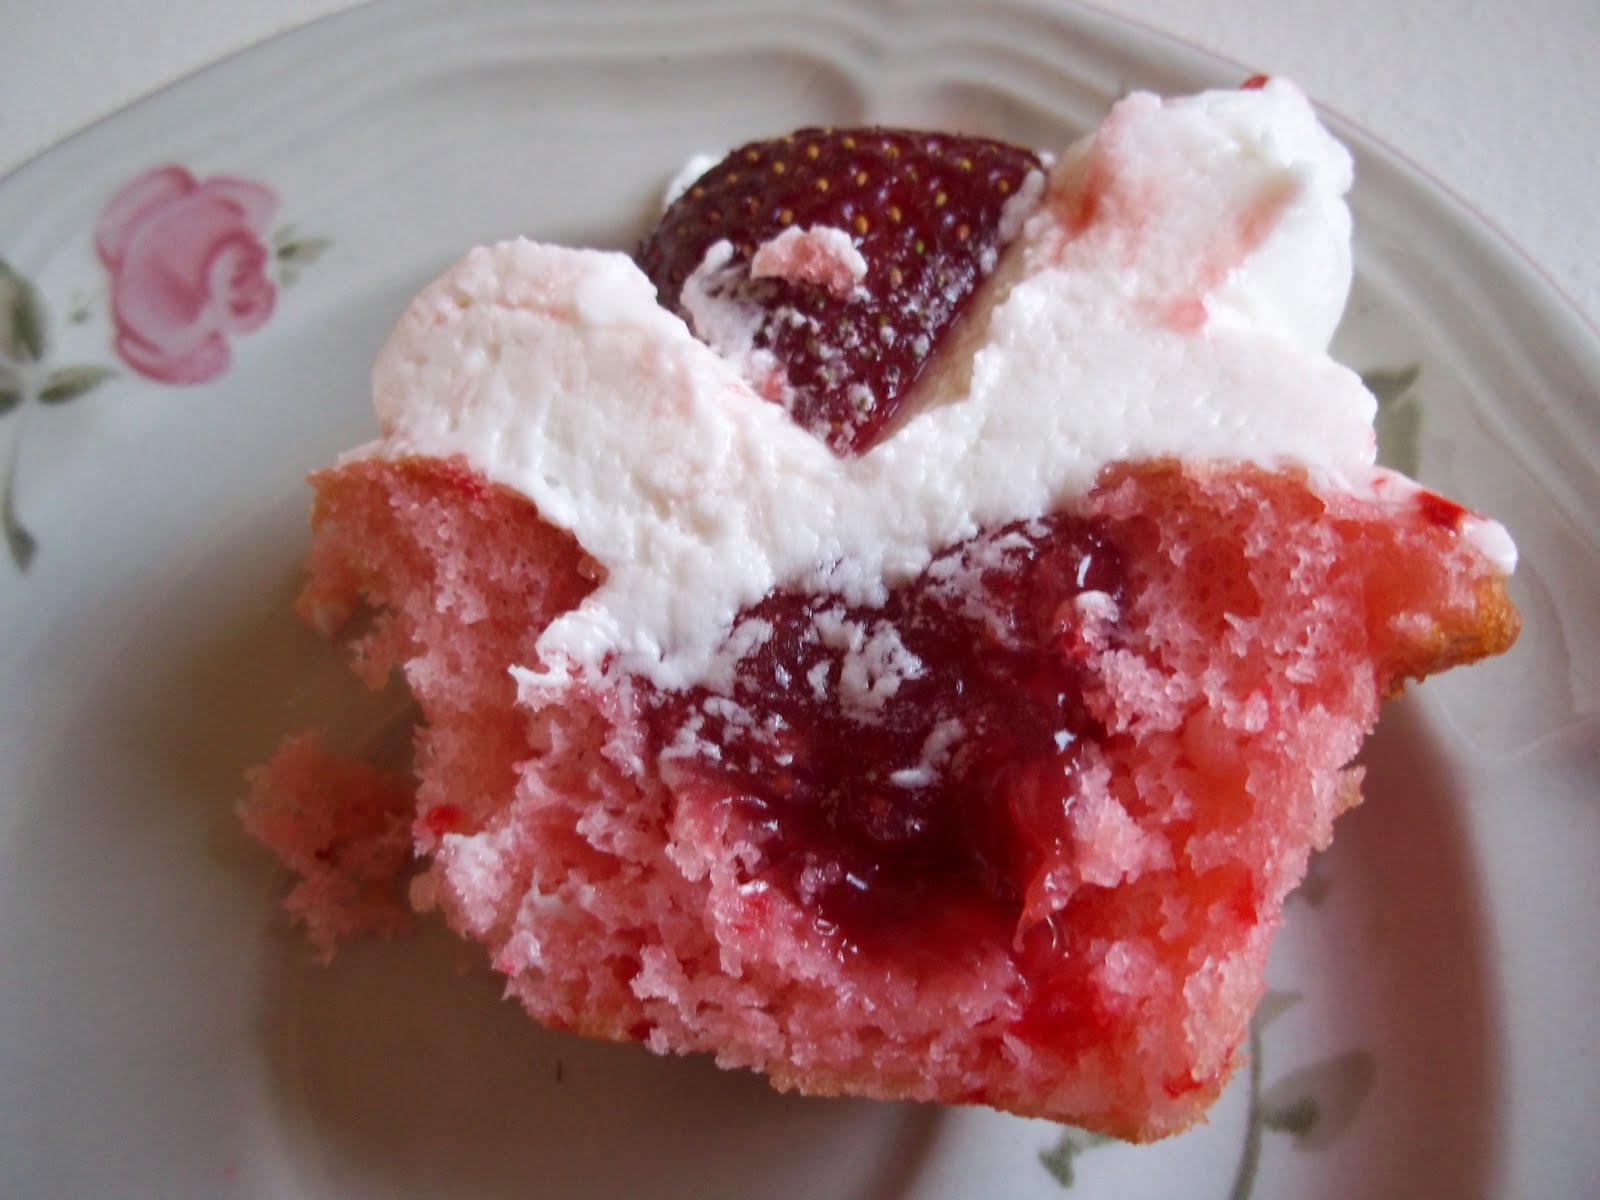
<point>953,730</point>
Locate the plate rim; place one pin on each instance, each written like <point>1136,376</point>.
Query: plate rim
<point>1504,256</point>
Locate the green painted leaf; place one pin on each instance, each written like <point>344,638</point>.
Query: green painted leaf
<point>68,383</point>
<point>1399,421</point>
<point>1318,1102</point>
<point>1297,1116</point>
<point>24,323</point>
<point>1399,428</point>
<point>10,389</point>
<point>1059,1159</point>
<point>1314,888</point>
<point>19,541</point>
<point>1390,384</point>
<point>303,251</point>
<point>1273,1005</point>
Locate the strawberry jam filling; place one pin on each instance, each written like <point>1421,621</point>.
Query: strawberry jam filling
<point>909,761</point>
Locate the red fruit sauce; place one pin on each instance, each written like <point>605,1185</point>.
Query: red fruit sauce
<point>1437,510</point>
<point>872,808</point>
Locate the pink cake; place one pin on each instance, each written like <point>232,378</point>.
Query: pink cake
<point>951,728</point>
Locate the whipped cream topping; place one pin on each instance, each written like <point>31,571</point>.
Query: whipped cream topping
<point>821,255</point>
<point>1172,293</point>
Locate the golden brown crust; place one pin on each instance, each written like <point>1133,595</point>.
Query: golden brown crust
<point>1489,627</point>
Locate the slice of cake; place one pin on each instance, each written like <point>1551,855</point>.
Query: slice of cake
<point>906,633</point>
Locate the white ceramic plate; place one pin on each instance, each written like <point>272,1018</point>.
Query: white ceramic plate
<point>162,1033</point>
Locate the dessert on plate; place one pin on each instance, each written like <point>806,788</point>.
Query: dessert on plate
<point>904,630</point>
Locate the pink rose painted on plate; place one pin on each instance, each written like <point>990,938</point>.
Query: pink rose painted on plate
<point>188,264</point>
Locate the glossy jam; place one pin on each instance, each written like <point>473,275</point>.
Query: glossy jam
<point>913,757</point>
<point>1437,510</point>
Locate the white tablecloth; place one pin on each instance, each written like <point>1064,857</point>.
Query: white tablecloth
<point>1499,101</point>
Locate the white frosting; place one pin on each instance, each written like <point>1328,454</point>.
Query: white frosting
<point>1493,541</point>
<point>1172,295</point>
<point>821,255</point>
<point>728,326</point>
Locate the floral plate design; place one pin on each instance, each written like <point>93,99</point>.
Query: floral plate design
<point>188,265</point>
<point>162,388</point>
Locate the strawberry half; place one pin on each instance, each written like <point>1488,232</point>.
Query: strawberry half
<point>850,253</point>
